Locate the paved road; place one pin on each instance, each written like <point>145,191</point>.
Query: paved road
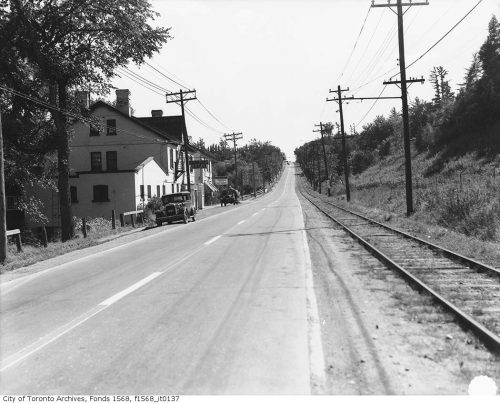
<point>224,305</point>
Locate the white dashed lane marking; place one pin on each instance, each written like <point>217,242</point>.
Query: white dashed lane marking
<point>212,240</point>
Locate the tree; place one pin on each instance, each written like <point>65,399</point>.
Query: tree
<point>72,44</point>
<point>441,85</point>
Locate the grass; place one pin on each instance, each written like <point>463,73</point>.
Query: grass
<point>457,208</point>
<point>33,251</point>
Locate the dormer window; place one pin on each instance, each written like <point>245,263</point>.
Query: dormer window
<point>111,127</point>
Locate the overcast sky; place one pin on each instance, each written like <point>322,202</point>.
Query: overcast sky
<point>264,67</point>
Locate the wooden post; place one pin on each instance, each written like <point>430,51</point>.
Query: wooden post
<point>3,220</point>
<point>122,220</point>
<point>113,219</point>
<point>44,236</point>
<point>19,244</point>
<point>84,227</point>
<point>132,220</point>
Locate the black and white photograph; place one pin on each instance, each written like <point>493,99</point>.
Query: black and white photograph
<point>272,199</point>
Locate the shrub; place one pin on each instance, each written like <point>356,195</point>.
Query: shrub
<point>360,160</point>
<point>472,212</point>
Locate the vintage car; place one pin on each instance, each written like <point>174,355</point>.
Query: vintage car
<point>176,207</point>
<point>229,196</point>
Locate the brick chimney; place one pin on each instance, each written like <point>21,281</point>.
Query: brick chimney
<point>123,101</point>
<point>82,97</point>
<point>157,113</point>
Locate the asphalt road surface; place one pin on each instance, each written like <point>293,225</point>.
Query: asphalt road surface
<point>224,305</point>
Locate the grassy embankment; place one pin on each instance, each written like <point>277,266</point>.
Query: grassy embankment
<point>98,230</point>
<point>457,207</point>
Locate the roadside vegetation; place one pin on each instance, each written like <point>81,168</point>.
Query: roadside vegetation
<point>99,230</point>
<point>455,160</point>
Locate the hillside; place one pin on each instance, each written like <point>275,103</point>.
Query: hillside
<point>459,205</point>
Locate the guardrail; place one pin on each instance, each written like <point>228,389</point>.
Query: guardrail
<point>132,215</point>
<point>17,235</point>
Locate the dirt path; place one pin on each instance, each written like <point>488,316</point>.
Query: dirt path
<point>379,335</point>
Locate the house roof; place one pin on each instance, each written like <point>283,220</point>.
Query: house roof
<point>171,125</point>
<point>171,134</point>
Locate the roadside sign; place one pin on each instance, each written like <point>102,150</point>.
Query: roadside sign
<point>220,181</point>
<point>198,164</point>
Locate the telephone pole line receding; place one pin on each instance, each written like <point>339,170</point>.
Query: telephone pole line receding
<point>339,100</point>
<point>404,95</point>
<point>234,137</point>
<point>180,97</point>
<point>324,149</point>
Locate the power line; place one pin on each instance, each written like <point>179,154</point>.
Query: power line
<point>211,114</point>
<point>355,44</point>
<point>444,36</point>
<point>87,120</point>
<point>165,75</point>
<point>373,105</point>
<point>137,77</point>
<point>366,48</point>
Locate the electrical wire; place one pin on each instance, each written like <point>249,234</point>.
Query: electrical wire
<point>366,47</point>
<point>373,105</point>
<point>355,44</point>
<point>86,120</point>
<point>444,36</point>
<point>166,76</point>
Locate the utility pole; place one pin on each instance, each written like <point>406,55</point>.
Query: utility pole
<point>319,168</point>
<point>180,97</point>
<point>234,137</point>
<point>404,95</point>
<point>253,175</point>
<point>324,149</point>
<point>344,150</point>
<point>3,218</point>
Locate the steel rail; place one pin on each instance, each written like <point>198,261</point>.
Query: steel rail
<point>481,267</point>
<point>491,340</point>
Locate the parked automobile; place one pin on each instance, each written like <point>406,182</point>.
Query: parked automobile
<point>229,196</point>
<point>176,207</point>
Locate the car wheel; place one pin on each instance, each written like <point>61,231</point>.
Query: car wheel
<point>186,217</point>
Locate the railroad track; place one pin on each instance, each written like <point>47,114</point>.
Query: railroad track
<point>468,289</point>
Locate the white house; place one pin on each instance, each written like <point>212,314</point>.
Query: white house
<point>121,161</point>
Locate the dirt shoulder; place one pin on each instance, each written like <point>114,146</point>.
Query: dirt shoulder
<point>379,335</point>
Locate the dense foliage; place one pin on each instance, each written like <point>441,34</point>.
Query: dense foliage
<point>50,49</point>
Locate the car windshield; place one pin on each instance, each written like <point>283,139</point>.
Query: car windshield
<point>174,198</point>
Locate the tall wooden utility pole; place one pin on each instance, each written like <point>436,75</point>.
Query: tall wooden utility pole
<point>319,168</point>
<point>324,148</point>
<point>180,97</point>
<point>234,137</point>
<point>342,133</point>
<point>3,218</point>
<point>404,95</point>
<point>253,177</point>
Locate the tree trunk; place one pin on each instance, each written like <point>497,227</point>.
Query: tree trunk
<point>67,227</point>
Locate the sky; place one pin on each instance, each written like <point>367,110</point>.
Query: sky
<point>265,67</point>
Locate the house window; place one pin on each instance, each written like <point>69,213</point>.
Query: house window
<point>173,188</point>
<point>111,127</point>
<point>73,194</point>
<point>171,158</point>
<point>142,192</point>
<point>100,193</point>
<point>158,190</point>
<point>95,162</point>
<point>111,161</point>
<point>149,191</point>
<point>94,130</point>
<point>164,190</point>
<point>190,166</point>
<point>178,188</point>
